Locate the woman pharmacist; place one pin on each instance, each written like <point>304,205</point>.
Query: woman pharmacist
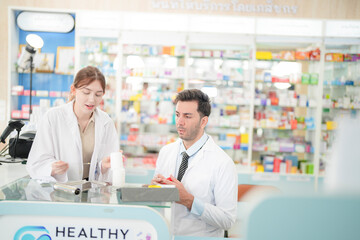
<point>74,141</point>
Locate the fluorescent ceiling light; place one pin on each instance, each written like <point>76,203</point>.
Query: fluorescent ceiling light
<point>280,85</point>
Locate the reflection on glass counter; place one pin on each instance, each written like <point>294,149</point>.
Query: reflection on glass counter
<point>26,189</point>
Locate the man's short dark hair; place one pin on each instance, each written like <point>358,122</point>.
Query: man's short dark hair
<point>203,100</point>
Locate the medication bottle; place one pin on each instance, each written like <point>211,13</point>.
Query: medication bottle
<point>118,170</point>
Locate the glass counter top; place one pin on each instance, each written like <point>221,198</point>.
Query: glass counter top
<point>27,189</point>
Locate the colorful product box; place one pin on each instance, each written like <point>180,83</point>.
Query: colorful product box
<point>16,114</point>
<point>17,90</point>
<point>315,55</point>
<point>54,94</point>
<point>267,77</point>
<point>310,168</point>
<point>314,78</point>
<point>305,78</point>
<point>331,125</point>
<point>351,57</point>
<point>277,162</point>
<point>268,167</point>
<point>275,79</point>
<point>294,169</point>
<point>263,55</point>
<point>288,55</point>
<point>334,57</point>
<point>299,55</point>
<point>27,93</point>
<point>276,56</point>
<point>287,147</point>
<point>42,93</point>
<point>288,166</point>
<point>259,168</point>
<point>293,159</point>
<point>274,101</point>
<point>244,138</point>
<point>25,115</point>
<point>25,107</point>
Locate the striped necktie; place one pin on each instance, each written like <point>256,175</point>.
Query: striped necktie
<point>183,166</point>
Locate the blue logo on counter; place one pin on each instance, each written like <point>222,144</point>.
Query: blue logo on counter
<point>32,233</point>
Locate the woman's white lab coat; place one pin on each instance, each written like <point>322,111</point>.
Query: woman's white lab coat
<point>58,138</point>
<point>211,177</point>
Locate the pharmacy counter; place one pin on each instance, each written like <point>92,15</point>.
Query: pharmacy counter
<point>33,210</point>
<point>30,210</point>
<point>11,171</point>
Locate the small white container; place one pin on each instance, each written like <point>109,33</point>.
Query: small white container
<point>118,170</point>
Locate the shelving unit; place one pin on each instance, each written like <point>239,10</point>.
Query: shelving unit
<point>247,104</point>
<point>151,73</point>
<point>341,90</point>
<point>151,77</point>
<point>102,52</point>
<point>286,82</point>
<point>224,73</point>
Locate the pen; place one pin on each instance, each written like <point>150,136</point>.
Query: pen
<point>67,188</point>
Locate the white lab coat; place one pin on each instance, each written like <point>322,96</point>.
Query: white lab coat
<point>58,138</point>
<point>211,177</point>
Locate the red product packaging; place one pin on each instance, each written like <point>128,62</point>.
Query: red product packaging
<point>274,101</point>
<point>315,54</point>
<point>302,55</point>
<point>288,166</point>
<point>27,93</point>
<point>16,114</point>
<point>277,162</point>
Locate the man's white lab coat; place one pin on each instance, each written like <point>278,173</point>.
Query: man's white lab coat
<point>211,177</point>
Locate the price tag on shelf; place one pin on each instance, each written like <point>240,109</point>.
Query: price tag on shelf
<point>298,179</point>
<point>266,177</point>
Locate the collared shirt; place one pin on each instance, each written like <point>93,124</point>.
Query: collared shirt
<point>198,206</point>
<point>87,142</point>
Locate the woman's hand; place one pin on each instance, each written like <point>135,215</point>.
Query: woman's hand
<point>105,164</point>
<point>59,167</point>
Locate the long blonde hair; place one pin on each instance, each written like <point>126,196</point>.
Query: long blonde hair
<point>86,76</point>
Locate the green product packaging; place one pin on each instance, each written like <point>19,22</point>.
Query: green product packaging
<point>310,168</point>
<point>314,78</point>
<point>305,78</point>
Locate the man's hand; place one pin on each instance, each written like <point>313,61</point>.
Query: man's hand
<point>59,167</point>
<point>186,198</point>
<point>158,179</point>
